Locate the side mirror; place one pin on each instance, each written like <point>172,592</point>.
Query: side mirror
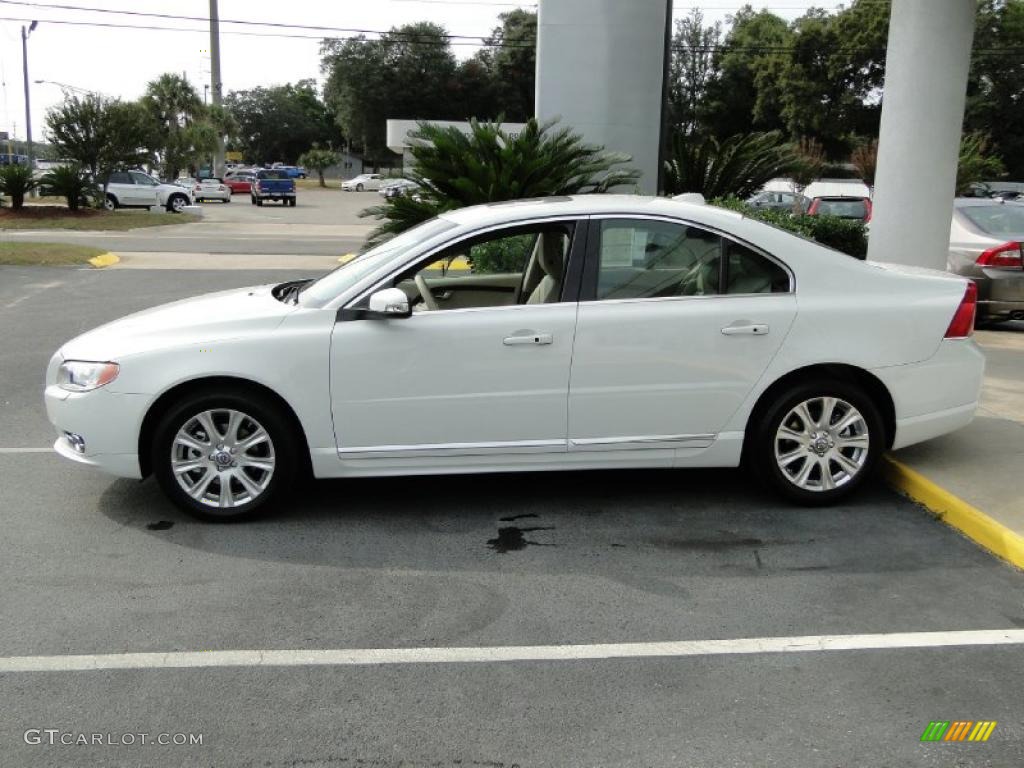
<point>389,302</point>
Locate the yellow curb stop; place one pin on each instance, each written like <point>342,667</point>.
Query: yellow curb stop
<point>104,260</point>
<point>954,511</point>
<point>346,258</point>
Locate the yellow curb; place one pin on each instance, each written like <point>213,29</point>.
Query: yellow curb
<point>104,260</point>
<point>954,511</point>
<point>346,258</point>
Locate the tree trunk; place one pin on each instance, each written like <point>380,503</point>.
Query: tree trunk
<point>320,173</point>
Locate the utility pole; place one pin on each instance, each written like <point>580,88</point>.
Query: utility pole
<point>28,107</point>
<point>215,83</point>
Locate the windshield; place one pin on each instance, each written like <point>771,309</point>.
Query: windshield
<point>996,219</point>
<point>344,277</point>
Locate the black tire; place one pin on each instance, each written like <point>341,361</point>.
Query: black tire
<point>292,202</point>
<point>252,199</point>
<point>111,203</point>
<point>762,451</point>
<point>227,199</point>
<point>285,444</point>
<point>359,187</point>
<point>175,199</point>
<point>259,201</point>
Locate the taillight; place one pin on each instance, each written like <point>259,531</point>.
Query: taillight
<point>962,324</point>
<point>1007,256</point>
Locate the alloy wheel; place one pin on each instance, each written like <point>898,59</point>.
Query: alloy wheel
<point>223,458</point>
<point>822,444</point>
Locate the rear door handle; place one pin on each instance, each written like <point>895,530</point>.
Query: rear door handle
<point>527,337</point>
<point>747,329</point>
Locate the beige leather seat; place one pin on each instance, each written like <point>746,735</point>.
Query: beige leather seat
<point>550,253</point>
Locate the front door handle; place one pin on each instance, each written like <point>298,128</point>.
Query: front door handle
<point>527,337</point>
<point>746,329</point>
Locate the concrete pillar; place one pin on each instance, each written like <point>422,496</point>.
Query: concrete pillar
<point>601,68</point>
<point>926,71</point>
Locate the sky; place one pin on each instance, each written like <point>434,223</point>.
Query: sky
<point>119,61</point>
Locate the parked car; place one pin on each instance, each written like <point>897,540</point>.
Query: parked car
<point>364,181</point>
<point>213,189</point>
<point>239,180</point>
<point>135,189</point>
<point>293,171</point>
<point>856,208</point>
<point>778,201</point>
<point>397,188</point>
<point>607,331</point>
<point>273,184</point>
<point>986,244</point>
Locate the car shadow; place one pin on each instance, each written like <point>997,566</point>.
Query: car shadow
<point>693,521</point>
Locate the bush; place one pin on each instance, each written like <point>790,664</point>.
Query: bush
<point>844,235</point>
<point>490,165</point>
<point>16,181</point>
<point>737,166</point>
<point>72,183</point>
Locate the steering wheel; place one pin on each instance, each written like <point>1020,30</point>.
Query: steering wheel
<point>425,294</point>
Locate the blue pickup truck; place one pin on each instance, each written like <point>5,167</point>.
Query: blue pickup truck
<point>273,184</point>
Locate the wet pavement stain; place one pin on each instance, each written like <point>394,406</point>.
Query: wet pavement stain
<point>512,538</point>
<point>159,525</point>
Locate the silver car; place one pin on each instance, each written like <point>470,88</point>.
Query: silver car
<point>985,244</point>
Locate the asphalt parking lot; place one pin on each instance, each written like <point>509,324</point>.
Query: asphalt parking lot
<point>95,565</point>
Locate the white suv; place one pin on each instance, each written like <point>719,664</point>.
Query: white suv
<point>135,189</point>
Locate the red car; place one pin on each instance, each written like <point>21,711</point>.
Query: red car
<point>857,208</point>
<point>240,181</point>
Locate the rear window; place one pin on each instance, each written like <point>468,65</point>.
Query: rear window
<point>273,175</point>
<point>849,209</point>
<point>996,219</point>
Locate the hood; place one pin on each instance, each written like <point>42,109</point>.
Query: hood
<point>212,317</point>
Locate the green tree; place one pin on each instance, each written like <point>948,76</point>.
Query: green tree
<point>806,168</point>
<point>279,123</point>
<point>407,73</point>
<point>976,164</point>
<point>486,165</point>
<point>738,166</point>
<point>995,105</point>
<point>319,160</point>
<point>691,70</point>
<point>72,182</point>
<point>16,181</point>
<point>100,134</point>
<point>511,64</point>
<point>181,133</point>
<point>744,94</point>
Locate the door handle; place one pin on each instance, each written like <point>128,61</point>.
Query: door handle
<point>527,337</point>
<point>747,329</point>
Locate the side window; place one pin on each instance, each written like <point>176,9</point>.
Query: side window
<point>655,259</point>
<point>120,177</point>
<point>141,179</point>
<point>749,272</point>
<point>524,265</point>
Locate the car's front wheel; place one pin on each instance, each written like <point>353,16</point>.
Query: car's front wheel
<point>223,457</point>
<point>818,441</point>
<point>359,187</point>
<point>177,203</point>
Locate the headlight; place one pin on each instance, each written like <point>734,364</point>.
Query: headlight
<point>83,376</point>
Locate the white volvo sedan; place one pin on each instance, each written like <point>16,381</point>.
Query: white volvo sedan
<point>565,333</point>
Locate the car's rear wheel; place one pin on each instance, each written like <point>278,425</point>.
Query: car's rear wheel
<point>224,456</point>
<point>110,203</point>
<point>259,201</point>
<point>818,441</point>
<point>292,202</point>
<point>252,199</point>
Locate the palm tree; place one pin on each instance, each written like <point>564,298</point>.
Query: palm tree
<point>736,167</point>
<point>488,164</point>
<point>175,107</point>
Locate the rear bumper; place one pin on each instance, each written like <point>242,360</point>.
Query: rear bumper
<point>1000,292</point>
<point>935,396</point>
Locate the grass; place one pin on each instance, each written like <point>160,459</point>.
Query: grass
<point>53,217</point>
<point>46,254</point>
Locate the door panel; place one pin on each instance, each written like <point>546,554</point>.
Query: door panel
<point>663,368</point>
<point>446,383</point>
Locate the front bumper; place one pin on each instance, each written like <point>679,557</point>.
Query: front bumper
<point>109,423</point>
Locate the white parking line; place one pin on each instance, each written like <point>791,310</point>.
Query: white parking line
<point>389,656</point>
